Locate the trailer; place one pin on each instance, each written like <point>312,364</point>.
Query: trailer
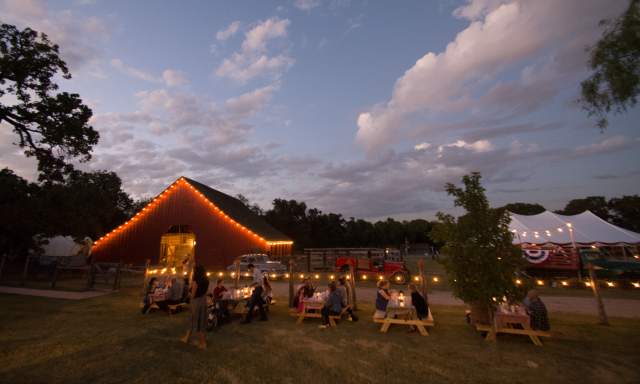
<point>386,262</point>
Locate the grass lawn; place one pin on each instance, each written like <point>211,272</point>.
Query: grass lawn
<point>107,340</point>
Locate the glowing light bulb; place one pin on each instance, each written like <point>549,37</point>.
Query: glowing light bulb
<point>540,282</point>
<point>518,281</point>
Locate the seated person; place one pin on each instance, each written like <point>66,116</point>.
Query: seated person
<point>256,295</point>
<point>148,300</point>
<point>219,290</point>
<point>304,290</point>
<point>537,311</point>
<point>418,301</point>
<point>332,306</point>
<point>344,290</point>
<point>382,299</point>
<point>267,292</point>
<point>174,296</point>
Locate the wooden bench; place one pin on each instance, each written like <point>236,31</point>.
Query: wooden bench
<point>419,324</point>
<point>317,307</point>
<point>533,334</point>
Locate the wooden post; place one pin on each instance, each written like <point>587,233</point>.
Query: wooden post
<point>4,257</point>
<point>353,288</point>
<point>596,292</point>
<point>116,278</point>
<point>25,270</point>
<point>54,276</point>
<point>91,276</point>
<point>423,279</point>
<point>147,263</point>
<point>236,281</point>
<point>291,282</point>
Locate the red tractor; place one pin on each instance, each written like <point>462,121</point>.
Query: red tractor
<point>387,262</point>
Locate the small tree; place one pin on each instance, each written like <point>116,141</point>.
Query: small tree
<point>481,261</point>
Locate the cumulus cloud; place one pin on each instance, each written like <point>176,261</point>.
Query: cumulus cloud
<point>249,103</point>
<point>499,37</point>
<point>170,77</point>
<point>132,71</point>
<point>306,5</point>
<point>608,145</point>
<point>79,37</point>
<point>253,59</point>
<point>226,33</point>
<point>174,78</point>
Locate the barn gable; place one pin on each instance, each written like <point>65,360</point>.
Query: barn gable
<point>223,227</point>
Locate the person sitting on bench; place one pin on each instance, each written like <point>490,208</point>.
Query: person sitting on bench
<point>175,296</point>
<point>537,310</point>
<point>344,291</point>
<point>418,301</point>
<point>151,287</point>
<point>256,295</point>
<point>333,305</point>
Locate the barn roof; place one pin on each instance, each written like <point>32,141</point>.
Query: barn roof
<point>239,212</point>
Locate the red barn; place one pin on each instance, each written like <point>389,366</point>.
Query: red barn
<point>191,220</point>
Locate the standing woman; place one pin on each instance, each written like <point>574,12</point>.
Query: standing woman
<point>198,304</point>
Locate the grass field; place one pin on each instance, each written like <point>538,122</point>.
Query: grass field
<point>107,340</point>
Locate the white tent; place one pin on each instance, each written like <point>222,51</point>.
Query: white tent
<point>585,228</point>
<point>61,246</point>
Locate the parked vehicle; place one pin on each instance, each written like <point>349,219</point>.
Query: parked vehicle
<point>261,262</point>
<point>608,268</point>
<point>387,262</point>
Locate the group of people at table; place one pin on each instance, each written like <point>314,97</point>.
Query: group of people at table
<point>174,290</point>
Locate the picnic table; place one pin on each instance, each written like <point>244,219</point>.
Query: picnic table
<point>311,307</point>
<point>512,320</point>
<point>400,311</point>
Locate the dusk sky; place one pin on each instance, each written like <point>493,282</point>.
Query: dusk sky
<point>365,108</point>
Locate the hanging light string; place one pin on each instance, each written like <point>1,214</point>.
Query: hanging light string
<point>435,279</point>
<point>547,232</point>
<point>182,182</point>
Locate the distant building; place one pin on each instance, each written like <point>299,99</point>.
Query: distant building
<point>190,220</point>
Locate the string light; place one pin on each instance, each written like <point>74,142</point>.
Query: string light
<point>331,277</point>
<point>587,283</point>
<point>286,275</point>
<point>416,278</point>
<point>398,278</point>
<point>564,283</point>
<point>380,277</point>
<point>220,274</point>
<point>636,285</point>
<point>435,279</point>
<point>540,282</point>
<point>611,284</point>
<point>163,195</point>
<point>364,277</point>
<point>317,276</point>
<point>518,281</point>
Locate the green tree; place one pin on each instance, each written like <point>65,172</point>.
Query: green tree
<point>615,60</point>
<point>52,127</point>
<point>524,208</point>
<point>625,212</point>
<point>87,204</point>
<point>481,260</point>
<point>596,204</point>
<point>21,221</point>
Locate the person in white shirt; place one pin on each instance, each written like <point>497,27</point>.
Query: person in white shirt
<point>256,295</point>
